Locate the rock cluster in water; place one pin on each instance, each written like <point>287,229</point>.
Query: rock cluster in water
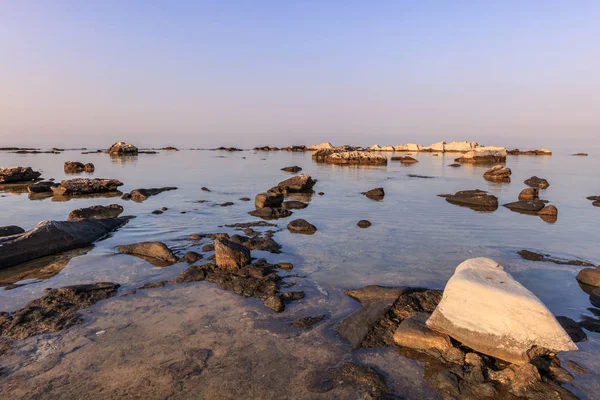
<point>18,174</point>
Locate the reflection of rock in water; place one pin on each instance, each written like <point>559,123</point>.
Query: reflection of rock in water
<point>105,195</point>
<point>40,269</point>
<point>123,159</point>
<point>14,188</point>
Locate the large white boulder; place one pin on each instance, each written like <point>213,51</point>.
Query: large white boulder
<point>401,147</point>
<point>320,146</point>
<point>460,147</point>
<point>377,147</point>
<point>436,147</point>
<point>484,308</point>
<point>413,147</point>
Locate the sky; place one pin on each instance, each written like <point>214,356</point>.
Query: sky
<point>248,73</point>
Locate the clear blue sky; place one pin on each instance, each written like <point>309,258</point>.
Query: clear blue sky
<point>208,73</point>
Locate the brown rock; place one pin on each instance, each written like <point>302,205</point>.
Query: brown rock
<point>82,186</point>
<point>536,182</point>
<point>230,255</point>
<point>18,174</point>
<point>155,250</point>
<point>268,199</point>
<point>548,210</point>
<point>375,194</point>
<point>589,276</point>
<point>95,212</point>
<point>363,223</point>
<point>301,226</point>
<point>413,333</point>
<point>529,194</point>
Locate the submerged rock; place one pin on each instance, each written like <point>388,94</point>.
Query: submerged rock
<point>294,205</point>
<point>498,173</point>
<point>294,169</point>
<point>595,297</point>
<point>375,194</point>
<point>535,182</point>
<point>301,226</point>
<point>122,149</point>
<point>477,200</point>
<point>230,255</point>
<point>18,174</point>
<point>532,256</point>
<point>42,187</point>
<point>52,237</point>
<point>150,250</point>
<point>10,230</point>
<point>81,186</point>
<point>484,308</point>
<point>139,195</point>
<point>526,206</point>
<point>95,212</point>
<point>55,311</point>
<point>269,213</point>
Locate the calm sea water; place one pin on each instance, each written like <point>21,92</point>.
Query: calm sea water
<point>417,238</point>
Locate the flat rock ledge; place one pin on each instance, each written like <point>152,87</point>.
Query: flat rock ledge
<point>84,186</point>
<point>477,200</point>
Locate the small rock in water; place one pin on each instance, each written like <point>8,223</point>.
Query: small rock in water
<point>226,204</point>
<point>573,329</point>
<point>301,226</point>
<point>307,322</point>
<point>230,255</point>
<point>195,236</point>
<point>275,303</point>
<point>244,199</point>
<point>363,223</point>
<point>267,199</point>
<point>100,333</point>
<point>455,165</point>
<point>526,206</point>
<point>529,194</point>
<point>595,297</point>
<point>191,257</point>
<point>156,250</point>
<point>536,182</point>
<point>285,266</point>
<point>95,212</point>
<point>477,200</point>
<point>498,173</point>
<point>321,193</point>
<point>295,169</point>
<point>375,194</point>
<point>589,276</point>
<point>157,212</point>
<point>293,205</point>
<point>548,210</point>
<point>11,230</point>
<point>205,189</point>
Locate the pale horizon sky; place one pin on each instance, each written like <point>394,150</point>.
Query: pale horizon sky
<point>249,73</point>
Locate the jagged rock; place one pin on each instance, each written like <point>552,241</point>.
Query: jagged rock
<point>268,199</point>
<point>295,169</point>
<point>375,194</point>
<point>414,333</point>
<point>538,152</point>
<point>498,173</point>
<point>139,195</point>
<point>484,308</point>
<point>526,206</point>
<point>155,250</point>
<point>301,226</point>
<point>476,199</point>
<point>122,148</point>
<point>275,303</point>
<point>191,257</point>
<point>10,230</point>
<point>52,237</point>
<point>529,194</point>
<point>296,184</point>
<point>42,187</point>
<point>230,255</point>
<point>484,154</point>
<point>81,186</point>
<point>95,212</point>
<point>536,182</point>
<point>18,174</point>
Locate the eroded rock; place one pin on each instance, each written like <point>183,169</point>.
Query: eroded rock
<point>230,255</point>
<point>122,149</point>
<point>18,174</point>
<point>498,173</point>
<point>83,186</point>
<point>96,212</point>
<point>375,194</point>
<point>139,195</point>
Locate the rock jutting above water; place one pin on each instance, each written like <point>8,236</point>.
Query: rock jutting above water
<point>10,230</point>
<point>484,308</point>
<point>498,173</point>
<point>375,194</point>
<point>122,149</point>
<point>529,194</point>
<point>150,251</point>
<point>484,154</point>
<point>526,206</point>
<point>18,174</point>
<point>478,200</point>
<point>294,169</point>
<point>301,226</point>
<point>73,167</point>
<point>535,182</point>
<point>82,186</point>
<point>589,276</point>
<point>42,187</point>
<point>356,158</point>
<point>296,184</point>
<point>533,256</point>
<point>139,195</point>
<point>267,199</point>
<point>230,255</point>
<point>52,237</point>
<point>95,212</point>
<point>363,223</point>
<point>538,152</point>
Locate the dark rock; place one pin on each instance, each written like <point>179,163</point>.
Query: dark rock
<point>536,182</point>
<point>157,212</point>
<point>205,189</point>
<point>170,148</point>
<point>529,194</point>
<point>578,369</point>
<point>55,311</point>
<point>191,257</point>
<point>285,266</point>
<point>455,165</point>
<point>366,380</point>
<point>42,187</point>
<point>269,213</point>
<point>296,184</point>
<point>226,204</point>
<point>139,195</point>
<point>208,247</point>
<point>150,250</point>
<point>573,329</point>
<point>580,154</point>
<point>532,256</point>
<point>293,205</point>
<point>475,199</point>
<point>321,193</point>
<point>301,226</point>
<point>10,230</point>
<point>595,297</point>
<point>81,186</point>
<point>295,169</point>
<point>257,243</point>
<point>420,176</point>
<point>195,236</point>
<point>73,167</point>
<point>405,160</point>
<point>231,255</point>
<point>52,237</point>
<point>18,174</point>
<point>363,223</point>
<point>267,199</point>
<point>275,303</point>
<point>244,199</point>
<point>95,212</point>
<point>375,194</point>
<point>526,206</point>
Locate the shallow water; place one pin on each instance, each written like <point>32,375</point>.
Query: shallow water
<point>416,238</point>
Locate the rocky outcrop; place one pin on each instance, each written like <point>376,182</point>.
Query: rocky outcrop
<point>526,206</point>
<point>122,149</point>
<point>296,184</point>
<point>460,147</point>
<point>498,173</point>
<point>377,147</point>
<point>535,182</point>
<point>405,160</point>
<point>82,186</point>
<point>356,158</point>
<point>478,200</point>
<point>10,230</point>
<point>96,212</point>
<point>301,226</point>
<point>438,147</point>
<point>484,308</point>
<point>42,187</point>
<point>18,174</point>
<point>529,194</point>
<point>150,250</point>
<point>538,152</point>
<point>320,146</point>
<point>74,167</point>
<point>375,194</point>
<point>484,154</point>
<point>139,195</point>
<point>294,169</point>
<point>595,200</point>
<point>51,237</point>
<point>230,255</point>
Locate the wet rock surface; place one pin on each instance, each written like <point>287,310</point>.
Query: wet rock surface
<point>354,158</point>
<point>231,255</point>
<point>157,253</point>
<point>589,276</point>
<point>52,237</point>
<point>375,194</point>
<point>10,230</point>
<point>533,256</point>
<point>529,194</point>
<point>293,205</point>
<point>18,174</point>
<point>84,186</point>
<point>535,182</point>
<point>55,311</point>
<point>301,226</point>
<point>96,212</point>
<point>363,223</point>
<point>272,200</point>
<point>405,160</point>
<point>42,187</point>
<point>477,200</point>
<point>297,184</point>
<point>294,169</point>
<point>122,149</point>
<point>139,195</point>
<point>498,173</point>
<point>526,206</point>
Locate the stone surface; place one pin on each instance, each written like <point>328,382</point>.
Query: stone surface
<point>155,250</point>
<point>533,256</point>
<point>484,308</point>
<point>375,194</point>
<point>498,173</point>
<point>484,154</point>
<point>320,146</point>
<point>460,147</point>
<point>405,160</point>
<point>293,169</point>
<point>268,199</point>
<point>301,226</point>
<point>73,167</point>
<point>595,297</point>
<point>363,223</point>
<point>139,195</point>
<point>82,186</point>
<point>230,255</point>
<point>18,174</point>
<point>356,158</point>
<point>297,184</point>
<point>529,194</point>
<point>10,230</point>
<point>535,182</point>
<point>526,206</point>
<point>95,212</point>
<point>414,333</point>
<point>549,210</point>
<point>270,213</point>
<point>122,148</point>
<point>294,205</point>
<point>573,329</point>
<point>476,199</point>
<point>42,187</point>
<point>589,276</point>
<point>51,237</point>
